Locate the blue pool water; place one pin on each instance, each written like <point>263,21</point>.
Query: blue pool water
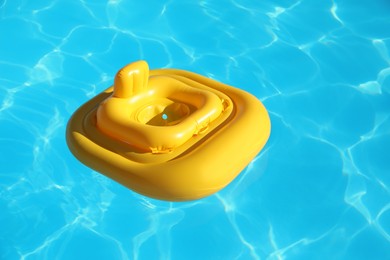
<point>320,189</point>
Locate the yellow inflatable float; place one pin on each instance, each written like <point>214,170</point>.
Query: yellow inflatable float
<point>169,134</point>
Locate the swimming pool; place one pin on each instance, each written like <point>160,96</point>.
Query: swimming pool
<point>320,189</point>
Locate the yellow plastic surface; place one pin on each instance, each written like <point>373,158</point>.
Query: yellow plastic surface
<point>169,134</point>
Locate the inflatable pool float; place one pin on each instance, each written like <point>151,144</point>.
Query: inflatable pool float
<point>169,134</point>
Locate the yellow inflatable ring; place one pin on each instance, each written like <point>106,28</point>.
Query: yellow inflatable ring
<point>169,134</point>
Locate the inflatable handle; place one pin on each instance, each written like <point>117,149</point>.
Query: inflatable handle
<point>131,79</point>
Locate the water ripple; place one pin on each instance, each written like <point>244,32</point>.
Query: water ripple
<point>319,189</point>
